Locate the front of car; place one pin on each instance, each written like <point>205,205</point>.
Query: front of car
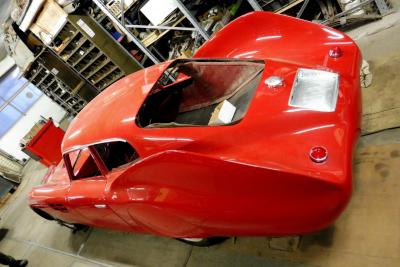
<point>48,199</point>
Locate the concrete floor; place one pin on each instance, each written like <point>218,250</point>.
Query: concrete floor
<point>366,234</point>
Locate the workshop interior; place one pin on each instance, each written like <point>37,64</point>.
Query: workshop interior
<point>199,133</point>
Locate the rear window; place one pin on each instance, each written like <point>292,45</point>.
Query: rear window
<point>116,154</point>
<point>201,92</point>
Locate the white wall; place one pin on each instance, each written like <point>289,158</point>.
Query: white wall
<point>43,107</point>
<point>6,64</point>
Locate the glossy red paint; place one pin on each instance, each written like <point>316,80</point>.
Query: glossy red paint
<point>251,178</point>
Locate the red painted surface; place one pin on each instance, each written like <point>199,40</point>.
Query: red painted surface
<point>46,144</point>
<point>251,178</point>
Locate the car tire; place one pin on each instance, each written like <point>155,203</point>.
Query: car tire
<point>203,242</point>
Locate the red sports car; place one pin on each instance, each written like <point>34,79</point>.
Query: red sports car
<point>253,136</point>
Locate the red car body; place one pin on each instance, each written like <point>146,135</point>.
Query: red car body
<point>254,177</point>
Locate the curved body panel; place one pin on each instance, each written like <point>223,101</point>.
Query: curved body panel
<point>252,177</point>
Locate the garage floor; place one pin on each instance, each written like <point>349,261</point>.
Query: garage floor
<point>366,234</point>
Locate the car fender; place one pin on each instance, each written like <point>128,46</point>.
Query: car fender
<point>265,35</point>
<point>174,193</point>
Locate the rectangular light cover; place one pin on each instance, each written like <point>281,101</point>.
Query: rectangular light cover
<point>315,90</point>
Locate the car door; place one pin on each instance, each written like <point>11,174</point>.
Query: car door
<point>86,195</point>
<point>117,157</point>
<point>135,195</point>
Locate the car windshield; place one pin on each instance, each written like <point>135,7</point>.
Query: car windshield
<point>201,92</point>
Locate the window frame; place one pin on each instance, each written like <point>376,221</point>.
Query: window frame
<point>121,167</point>
<point>97,158</point>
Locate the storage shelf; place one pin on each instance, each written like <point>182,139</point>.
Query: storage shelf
<point>78,46</point>
<point>67,43</point>
<point>105,74</point>
<point>84,55</point>
<point>86,48</point>
<point>36,74</point>
<point>98,68</point>
<point>91,62</point>
<point>112,81</point>
<point>70,102</point>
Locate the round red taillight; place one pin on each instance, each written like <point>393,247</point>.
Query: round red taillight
<point>335,52</point>
<point>318,154</point>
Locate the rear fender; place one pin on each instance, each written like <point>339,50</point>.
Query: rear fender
<point>176,193</point>
<point>265,35</point>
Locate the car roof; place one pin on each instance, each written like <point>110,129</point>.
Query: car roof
<point>112,114</point>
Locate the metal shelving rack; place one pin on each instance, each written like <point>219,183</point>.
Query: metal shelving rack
<point>382,5</point>
<point>125,28</point>
<point>93,60</point>
<point>86,49</point>
<point>383,8</point>
<point>82,60</point>
<point>54,88</point>
<point>97,60</point>
<point>255,4</point>
<point>260,4</point>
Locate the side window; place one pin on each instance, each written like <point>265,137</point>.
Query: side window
<point>116,154</point>
<point>83,164</point>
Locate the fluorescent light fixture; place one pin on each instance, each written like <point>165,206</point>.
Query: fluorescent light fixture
<point>315,90</point>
